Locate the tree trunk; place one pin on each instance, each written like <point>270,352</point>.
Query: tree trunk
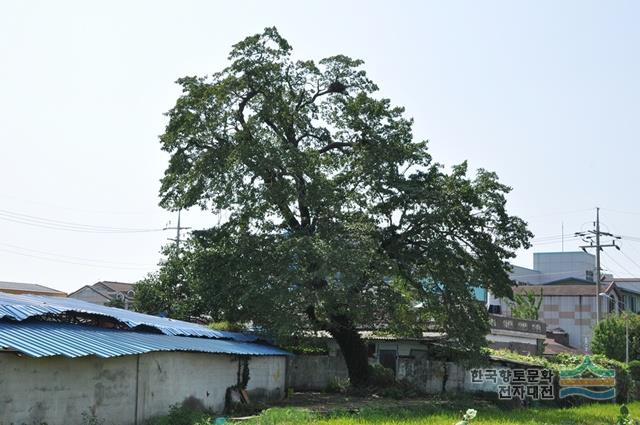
<point>353,349</point>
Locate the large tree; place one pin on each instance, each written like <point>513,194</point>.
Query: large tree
<point>338,219</point>
<point>170,291</point>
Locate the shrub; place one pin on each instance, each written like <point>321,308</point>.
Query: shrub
<point>609,337</point>
<point>380,376</point>
<point>303,345</point>
<point>227,326</point>
<point>181,415</point>
<point>393,392</point>
<point>91,419</point>
<point>337,385</point>
<point>634,370</point>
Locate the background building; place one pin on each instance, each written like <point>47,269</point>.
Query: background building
<point>29,288</point>
<point>554,266</point>
<point>117,294</point>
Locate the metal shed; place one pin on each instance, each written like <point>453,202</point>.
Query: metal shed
<point>53,371</point>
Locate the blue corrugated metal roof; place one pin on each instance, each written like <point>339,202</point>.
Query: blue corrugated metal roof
<point>44,339</point>
<point>21,307</point>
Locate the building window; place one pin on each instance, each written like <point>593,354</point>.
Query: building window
<point>632,304</point>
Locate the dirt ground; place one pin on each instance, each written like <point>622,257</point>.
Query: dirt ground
<point>325,402</point>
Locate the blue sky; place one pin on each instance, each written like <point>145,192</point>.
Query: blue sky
<point>545,93</point>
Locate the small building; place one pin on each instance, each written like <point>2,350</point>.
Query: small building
<point>629,289</point>
<point>315,372</point>
<point>553,266</point>
<point>62,358</point>
<point>29,288</point>
<point>118,294</point>
<point>569,304</point>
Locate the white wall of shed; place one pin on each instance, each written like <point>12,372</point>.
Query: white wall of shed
<point>126,389</point>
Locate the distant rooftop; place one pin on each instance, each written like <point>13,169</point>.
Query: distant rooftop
<point>108,286</point>
<point>117,286</point>
<point>563,290</point>
<point>553,266</point>
<point>29,288</point>
<point>628,284</point>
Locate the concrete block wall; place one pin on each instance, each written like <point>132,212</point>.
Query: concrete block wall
<point>314,372</point>
<point>58,390</point>
<point>125,390</point>
<point>431,376</point>
<point>267,378</point>
<point>167,379</point>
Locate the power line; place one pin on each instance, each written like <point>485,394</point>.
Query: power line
<point>558,241</point>
<point>71,262</point>
<point>560,213</point>
<point>65,208</point>
<point>47,223</point>
<point>630,259</point>
<point>622,212</point>
<point>618,264</point>
<point>631,238</point>
<point>106,262</point>
<point>553,237</point>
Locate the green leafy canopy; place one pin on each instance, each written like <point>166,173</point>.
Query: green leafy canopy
<point>337,217</point>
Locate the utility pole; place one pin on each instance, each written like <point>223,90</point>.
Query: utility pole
<point>598,269</point>
<point>178,229</point>
<point>592,237</point>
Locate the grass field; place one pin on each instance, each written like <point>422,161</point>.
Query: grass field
<point>595,414</point>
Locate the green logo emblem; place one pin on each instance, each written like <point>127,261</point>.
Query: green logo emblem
<point>588,380</point>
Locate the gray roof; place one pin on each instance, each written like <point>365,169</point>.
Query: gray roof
<point>31,287</point>
<point>628,285</point>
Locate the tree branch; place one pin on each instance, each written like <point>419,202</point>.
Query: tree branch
<point>315,96</point>
<point>243,104</point>
<point>311,314</point>
<point>335,145</point>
